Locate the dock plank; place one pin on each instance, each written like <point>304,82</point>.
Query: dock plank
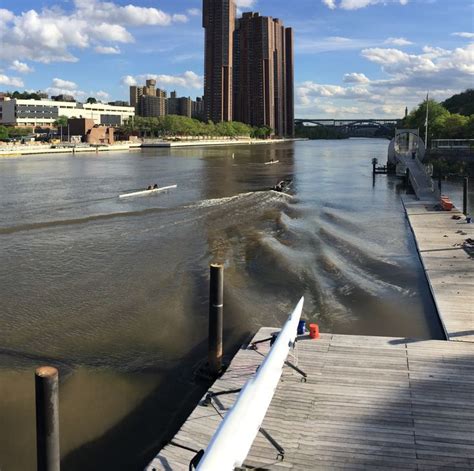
<point>369,403</point>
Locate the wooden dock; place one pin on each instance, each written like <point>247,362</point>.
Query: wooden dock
<point>448,265</point>
<point>369,403</point>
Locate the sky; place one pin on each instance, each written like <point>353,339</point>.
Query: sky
<point>353,58</point>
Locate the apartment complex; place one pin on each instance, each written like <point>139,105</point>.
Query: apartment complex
<point>150,101</point>
<point>219,24</point>
<point>260,59</point>
<point>179,105</point>
<point>23,112</point>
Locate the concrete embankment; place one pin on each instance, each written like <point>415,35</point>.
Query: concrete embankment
<point>35,150</point>
<point>216,142</point>
<point>19,150</point>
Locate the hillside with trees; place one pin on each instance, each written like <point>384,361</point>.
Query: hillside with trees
<point>462,103</point>
<point>442,124</point>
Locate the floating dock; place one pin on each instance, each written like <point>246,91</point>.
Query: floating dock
<point>448,264</point>
<point>369,403</point>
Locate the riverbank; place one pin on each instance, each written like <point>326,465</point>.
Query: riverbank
<point>19,150</point>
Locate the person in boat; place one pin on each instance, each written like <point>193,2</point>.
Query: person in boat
<point>155,186</point>
<point>278,186</point>
<point>149,187</point>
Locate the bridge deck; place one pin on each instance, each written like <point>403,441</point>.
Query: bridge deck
<point>370,403</point>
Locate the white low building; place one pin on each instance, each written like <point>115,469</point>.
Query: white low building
<point>19,112</point>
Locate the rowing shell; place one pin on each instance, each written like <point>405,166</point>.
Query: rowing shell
<point>272,162</point>
<point>231,443</point>
<point>148,192</point>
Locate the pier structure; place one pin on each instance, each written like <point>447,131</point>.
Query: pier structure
<point>448,262</point>
<point>368,403</point>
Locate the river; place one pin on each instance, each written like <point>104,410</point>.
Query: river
<point>114,292</point>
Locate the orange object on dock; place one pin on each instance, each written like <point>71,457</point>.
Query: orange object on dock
<point>446,203</point>
<point>314,331</point>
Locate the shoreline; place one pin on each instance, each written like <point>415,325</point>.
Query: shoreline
<point>16,151</point>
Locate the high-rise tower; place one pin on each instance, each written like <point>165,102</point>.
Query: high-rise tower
<point>218,20</point>
<point>263,73</point>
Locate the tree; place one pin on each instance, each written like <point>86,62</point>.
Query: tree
<point>462,103</point>
<point>91,100</point>
<point>416,119</point>
<point>61,121</point>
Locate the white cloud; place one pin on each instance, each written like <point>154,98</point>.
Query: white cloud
<point>464,35</point>
<point>357,4</point>
<point>194,12</point>
<point>128,81</point>
<point>331,4</point>
<point>107,50</point>
<point>101,95</point>
<point>398,41</point>
<point>64,84</point>
<point>21,67</point>
<point>188,79</point>
<point>408,77</point>
<point>355,78</point>
<point>310,45</point>
<point>245,3</point>
<point>11,81</point>
<point>52,34</point>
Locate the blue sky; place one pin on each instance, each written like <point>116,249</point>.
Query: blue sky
<point>353,58</point>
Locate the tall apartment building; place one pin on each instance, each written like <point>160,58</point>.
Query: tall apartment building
<point>148,100</point>
<point>179,105</point>
<point>248,68</point>
<point>218,20</point>
<point>263,75</point>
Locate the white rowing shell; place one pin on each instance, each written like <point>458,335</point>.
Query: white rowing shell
<point>148,192</point>
<point>271,163</point>
<point>233,439</point>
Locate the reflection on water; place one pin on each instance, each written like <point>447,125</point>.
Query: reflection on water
<point>114,292</point>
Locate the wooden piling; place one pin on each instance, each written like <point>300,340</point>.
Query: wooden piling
<point>216,308</point>
<point>465,208</point>
<point>47,419</point>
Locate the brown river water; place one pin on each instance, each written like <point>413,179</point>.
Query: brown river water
<point>114,292</point>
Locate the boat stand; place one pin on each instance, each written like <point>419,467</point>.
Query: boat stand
<point>304,376</point>
<point>211,395</point>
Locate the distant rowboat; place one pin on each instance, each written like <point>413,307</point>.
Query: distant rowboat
<point>148,192</point>
<point>271,162</point>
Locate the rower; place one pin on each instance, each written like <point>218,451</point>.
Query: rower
<point>155,186</point>
<point>149,187</point>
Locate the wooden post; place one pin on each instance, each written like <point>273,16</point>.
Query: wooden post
<point>465,208</point>
<point>47,419</point>
<point>407,174</point>
<point>216,307</point>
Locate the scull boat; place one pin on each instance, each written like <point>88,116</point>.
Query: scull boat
<point>148,192</point>
<point>271,162</point>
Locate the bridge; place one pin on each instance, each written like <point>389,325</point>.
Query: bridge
<point>361,127</point>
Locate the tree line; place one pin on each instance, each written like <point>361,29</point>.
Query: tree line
<point>176,126</point>
<point>442,124</point>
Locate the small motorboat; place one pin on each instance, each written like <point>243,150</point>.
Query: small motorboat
<point>283,186</point>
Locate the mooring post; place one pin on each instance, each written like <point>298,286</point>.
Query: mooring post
<point>407,174</point>
<point>374,165</point>
<point>216,308</point>
<point>47,419</point>
<point>440,183</point>
<point>465,208</point>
